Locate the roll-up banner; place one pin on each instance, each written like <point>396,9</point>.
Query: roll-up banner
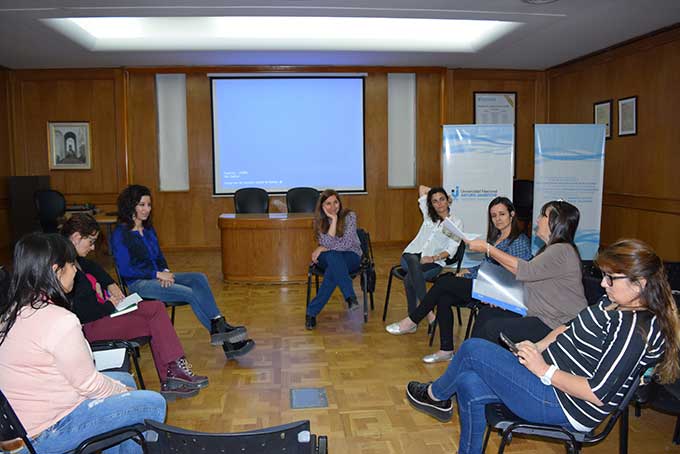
<point>477,166</point>
<point>569,165</point>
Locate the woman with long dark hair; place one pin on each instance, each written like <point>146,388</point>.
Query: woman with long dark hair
<point>46,367</point>
<point>553,287</point>
<point>455,290</point>
<point>576,375</point>
<point>425,256</point>
<point>95,296</point>
<point>143,267</point>
<point>338,254</point>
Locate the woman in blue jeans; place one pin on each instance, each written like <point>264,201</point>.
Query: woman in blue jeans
<point>46,367</point>
<point>338,254</point>
<point>577,374</point>
<point>145,270</point>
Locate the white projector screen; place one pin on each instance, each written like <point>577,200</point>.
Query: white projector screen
<point>277,133</point>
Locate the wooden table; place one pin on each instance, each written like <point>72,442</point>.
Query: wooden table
<point>272,248</point>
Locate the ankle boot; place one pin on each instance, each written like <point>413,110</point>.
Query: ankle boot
<point>238,349</point>
<point>180,373</point>
<point>221,332</point>
<point>174,391</point>
<point>310,322</point>
<point>352,303</point>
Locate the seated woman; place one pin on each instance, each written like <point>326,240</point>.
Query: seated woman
<point>339,253</point>
<point>46,367</point>
<point>452,290</point>
<point>143,267</point>
<point>577,374</point>
<point>553,286</point>
<point>426,255</point>
<point>94,298</point>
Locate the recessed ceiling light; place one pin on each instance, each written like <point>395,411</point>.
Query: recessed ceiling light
<point>282,33</point>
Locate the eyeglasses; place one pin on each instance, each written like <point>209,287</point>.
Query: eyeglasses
<point>609,279</point>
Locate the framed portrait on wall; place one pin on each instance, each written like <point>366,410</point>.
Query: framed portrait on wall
<point>628,116</point>
<point>69,145</point>
<point>602,115</point>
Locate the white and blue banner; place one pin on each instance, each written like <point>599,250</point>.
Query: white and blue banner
<point>477,165</point>
<point>569,165</point>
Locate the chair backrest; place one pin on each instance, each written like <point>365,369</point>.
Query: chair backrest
<point>366,247</point>
<point>523,198</point>
<point>50,205</point>
<point>10,426</point>
<point>457,258</point>
<point>292,438</point>
<point>673,274</point>
<point>251,200</point>
<point>302,200</point>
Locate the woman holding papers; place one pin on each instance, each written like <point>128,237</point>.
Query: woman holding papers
<point>46,367</point>
<point>142,264</point>
<point>577,374</point>
<point>95,296</point>
<point>426,255</point>
<point>553,289</point>
<point>451,290</point>
<point>338,254</point>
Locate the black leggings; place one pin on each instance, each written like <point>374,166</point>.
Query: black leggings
<point>491,321</point>
<point>448,291</point>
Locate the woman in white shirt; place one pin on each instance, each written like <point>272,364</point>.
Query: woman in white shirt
<point>426,255</point>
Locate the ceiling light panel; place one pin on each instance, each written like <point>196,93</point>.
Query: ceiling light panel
<point>282,33</point>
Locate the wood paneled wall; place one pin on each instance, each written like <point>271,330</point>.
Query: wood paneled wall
<point>390,215</point>
<point>641,191</point>
<point>461,84</point>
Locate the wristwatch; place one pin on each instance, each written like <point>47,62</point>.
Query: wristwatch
<point>546,378</point>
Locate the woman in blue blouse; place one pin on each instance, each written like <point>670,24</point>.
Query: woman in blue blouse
<point>456,290</point>
<point>143,267</point>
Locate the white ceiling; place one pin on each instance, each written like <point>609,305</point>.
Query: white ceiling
<point>551,34</point>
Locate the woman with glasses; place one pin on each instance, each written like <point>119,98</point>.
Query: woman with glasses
<point>576,375</point>
<point>553,287</point>
<point>95,296</point>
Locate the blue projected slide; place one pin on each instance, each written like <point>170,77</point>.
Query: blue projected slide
<point>278,133</point>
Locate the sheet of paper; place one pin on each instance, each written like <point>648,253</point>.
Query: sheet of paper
<point>109,359</point>
<point>451,227</point>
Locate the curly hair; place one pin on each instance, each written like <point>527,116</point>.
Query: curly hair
<point>637,261</point>
<point>34,282</point>
<point>430,208</point>
<point>127,201</point>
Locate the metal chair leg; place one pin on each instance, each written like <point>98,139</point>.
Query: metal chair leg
<point>365,300</point>
<point>460,317</point>
<point>138,371</point>
<point>387,295</point>
<point>676,432</point>
<point>623,432</point>
<point>486,438</point>
<point>172,315</point>
<point>471,319</point>
<point>434,329</point>
<point>309,288</point>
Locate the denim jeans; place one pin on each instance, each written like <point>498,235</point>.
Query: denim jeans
<point>96,416</point>
<point>190,287</point>
<point>416,275</point>
<point>337,266</point>
<point>481,373</point>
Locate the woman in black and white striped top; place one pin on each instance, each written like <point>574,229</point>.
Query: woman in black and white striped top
<point>577,374</point>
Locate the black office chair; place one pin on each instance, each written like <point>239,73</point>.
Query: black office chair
<point>366,270</point>
<point>591,279</point>
<point>673,274</point>
<point>11,430</point>
<point>302,200</point>
<point>523,199</point>
<point>170,304</point>
<point>251,200</point>
<point>499,417</point>
<point>292,438</point>
<point>51,206</point>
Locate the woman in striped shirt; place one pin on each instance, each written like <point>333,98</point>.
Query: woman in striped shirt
<point>577,374</point>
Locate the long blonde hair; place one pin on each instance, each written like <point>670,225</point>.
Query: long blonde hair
<point>637,261</point>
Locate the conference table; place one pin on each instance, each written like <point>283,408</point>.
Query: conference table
<point>266,248</point>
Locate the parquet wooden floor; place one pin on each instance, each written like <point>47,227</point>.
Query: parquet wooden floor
<point>363,369</point>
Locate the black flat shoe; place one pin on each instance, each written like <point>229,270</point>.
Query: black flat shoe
<point>310,322</point>
<point>416,393</point>
<point>237,349</point>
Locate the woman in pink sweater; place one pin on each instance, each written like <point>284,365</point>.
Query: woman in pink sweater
<point>46,367</point>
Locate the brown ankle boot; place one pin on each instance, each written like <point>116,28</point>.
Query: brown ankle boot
<point>180,373</point>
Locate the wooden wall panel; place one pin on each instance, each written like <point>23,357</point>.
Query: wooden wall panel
<point>71,95</point>
<point>390,215</point>
<point>642,196</point>
<point>461,84</point>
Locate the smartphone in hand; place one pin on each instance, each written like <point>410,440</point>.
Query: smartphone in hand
<point>511,345</point>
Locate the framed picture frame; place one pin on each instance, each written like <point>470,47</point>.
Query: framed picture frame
<point>497,107</point>
<point>628,116</point>
<point>69,145</point>
<point>602,115</point>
